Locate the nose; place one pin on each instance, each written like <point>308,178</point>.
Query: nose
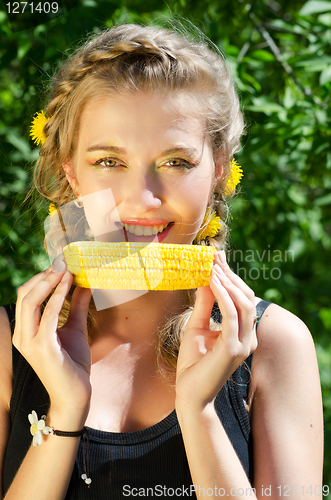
<point>143,194</point>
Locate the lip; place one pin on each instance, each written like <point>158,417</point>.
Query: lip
<point>145,222</point>
<point>153,237</point>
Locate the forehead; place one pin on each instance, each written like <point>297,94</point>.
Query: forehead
<point>141,117</point>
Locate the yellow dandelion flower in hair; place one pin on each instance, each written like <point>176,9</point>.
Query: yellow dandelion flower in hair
<point>52,209</point>
<point>37,128</point>
<point>210,226</point>
<point>236,173</point>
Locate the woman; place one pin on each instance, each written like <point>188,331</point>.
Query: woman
<point>153,119</point>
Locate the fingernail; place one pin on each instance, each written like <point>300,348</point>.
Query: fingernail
<point>59,266</point>
<point>222,256</point>
<point>65,277</point>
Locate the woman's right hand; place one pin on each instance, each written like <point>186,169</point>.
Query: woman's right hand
<point>60,357</point>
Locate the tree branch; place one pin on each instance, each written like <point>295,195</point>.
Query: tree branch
<point>286,66</point>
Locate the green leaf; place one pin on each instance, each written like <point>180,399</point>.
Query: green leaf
<point>20,143</point>
<point>315,63</point>
<point>297,246</point>
<point>289,98</point>
<point>24,47</point>
<point>272,295</point>
<point>325,19</point>
<point>323,200</point>
<point>296,195</point>
<point>325,76</point>
<point>315,6</point>
<point>325,315</point>
<point>262,55</point>
<point>264,106</point>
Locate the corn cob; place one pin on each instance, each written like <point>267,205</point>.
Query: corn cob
<point>138,266</point>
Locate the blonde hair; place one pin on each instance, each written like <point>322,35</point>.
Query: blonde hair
<point>130,58</point>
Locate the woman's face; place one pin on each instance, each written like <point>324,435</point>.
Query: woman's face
<point>144,164</point>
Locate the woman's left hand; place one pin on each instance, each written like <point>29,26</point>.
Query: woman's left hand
<point>208,358</point>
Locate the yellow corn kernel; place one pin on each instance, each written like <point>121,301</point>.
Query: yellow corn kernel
<point>138,265</point>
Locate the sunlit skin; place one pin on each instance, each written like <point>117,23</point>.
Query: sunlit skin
<point>156,160</point>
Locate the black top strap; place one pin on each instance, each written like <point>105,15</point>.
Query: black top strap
<point>10,310</point>
<point>261,307</point>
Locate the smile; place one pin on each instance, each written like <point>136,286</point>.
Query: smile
<point>144,230</point>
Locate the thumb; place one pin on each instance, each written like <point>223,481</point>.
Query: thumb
<point>79,307</point>
<point>200,317</point>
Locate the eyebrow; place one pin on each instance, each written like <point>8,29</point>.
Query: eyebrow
<point>192,152</point>
<point>102,147</point>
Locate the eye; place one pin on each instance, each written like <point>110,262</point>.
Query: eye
<point>179,163</point>
<point>107,162</point>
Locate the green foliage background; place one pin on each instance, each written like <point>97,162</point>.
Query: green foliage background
<point>279,52</point>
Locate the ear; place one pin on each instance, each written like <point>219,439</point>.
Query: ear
<point>219,168</point>
<point>218,172</point>
<point>69,170</point>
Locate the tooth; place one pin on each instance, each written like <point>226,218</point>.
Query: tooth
<point>147,231</point>
<point>144,230</point>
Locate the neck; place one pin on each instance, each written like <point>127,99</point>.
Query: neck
<point>138,320</point>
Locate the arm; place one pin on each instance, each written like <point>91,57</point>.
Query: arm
<point>61,360</point>
<point>5,386</point>
<point>286,414</point>
<point>280,437</point>
<point>206,361</point>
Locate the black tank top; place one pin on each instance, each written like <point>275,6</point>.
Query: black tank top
<point>150,462</point>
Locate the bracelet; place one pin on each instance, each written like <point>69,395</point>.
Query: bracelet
<point>38,428</point>
<point>54,432</point>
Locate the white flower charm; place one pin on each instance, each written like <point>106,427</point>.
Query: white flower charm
<point>38,428</point>
<point>86,479</point>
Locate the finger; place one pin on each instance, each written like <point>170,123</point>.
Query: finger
<point>32,301</point>
<point>22,291</point>
<point>244,307</point>
<point>230,322</point>
<point>50,318</point>
<point>59,264</point>
<point>26,287</point>
<point>220,259</point>
<point>79,308</point>
<point>200,317</point>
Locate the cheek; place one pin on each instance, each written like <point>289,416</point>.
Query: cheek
<point>194,194</point>
<point>93,182</point>
<point>101,212</point>
<point>90,182</point>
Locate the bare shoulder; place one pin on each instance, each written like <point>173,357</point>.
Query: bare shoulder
<point>5,383</point>
<point>282,332</point>
<point>286,404</point>
<point>5,356</point>
<point>285,352</point>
